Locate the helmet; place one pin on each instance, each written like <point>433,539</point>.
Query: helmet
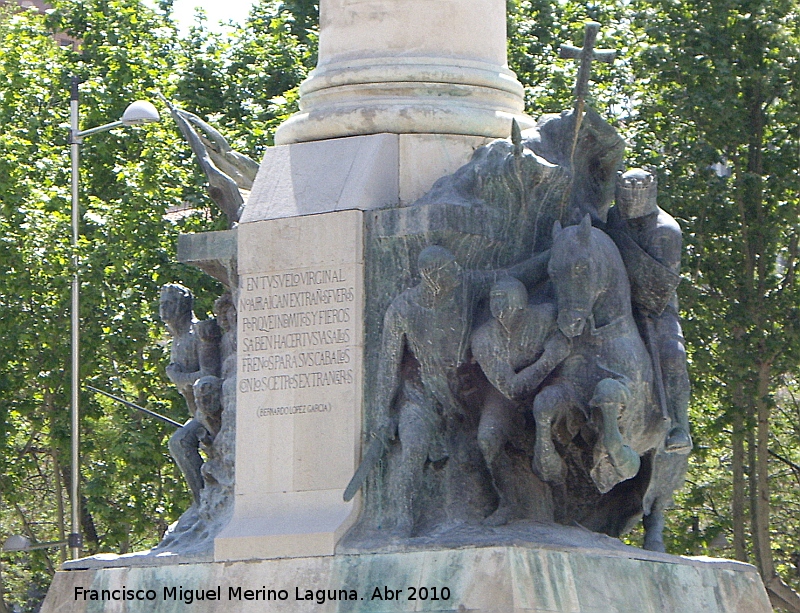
<point>637,190</point>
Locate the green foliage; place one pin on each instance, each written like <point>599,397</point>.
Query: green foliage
<point>696,84</point>
<point>718,84</point>
<point>536,30</point>
<point>249,86</point>
<point>128,179</point>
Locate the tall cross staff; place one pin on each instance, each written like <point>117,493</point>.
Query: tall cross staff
<point>585,55</point>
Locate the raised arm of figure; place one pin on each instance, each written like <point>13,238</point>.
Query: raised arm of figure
<point>180,377</point>
<point>531,272</point>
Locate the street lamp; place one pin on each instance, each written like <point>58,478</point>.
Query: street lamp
<point>137,113</point>
<point>17,542</point>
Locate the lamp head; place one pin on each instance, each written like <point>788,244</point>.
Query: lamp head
<point>16,542</point>
<point>140,112</point>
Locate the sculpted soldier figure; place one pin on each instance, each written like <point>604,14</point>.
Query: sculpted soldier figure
<point>219,469</point>
<point>194,355</point>
<point>516,350</point>
<point>433,322</point>
<point>175,309</point>
<point>225,312</point>
<point>650,242</point>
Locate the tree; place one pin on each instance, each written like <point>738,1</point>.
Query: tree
<point>130,489</point>
<point>721,93</point>
<point>701,89</point>
<point>694,86</point>
<point>536,30</point>
<point>272,54</point>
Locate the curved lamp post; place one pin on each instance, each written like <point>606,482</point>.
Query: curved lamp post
<point>137,113</point>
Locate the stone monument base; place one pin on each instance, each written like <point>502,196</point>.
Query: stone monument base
<point>599,576</point>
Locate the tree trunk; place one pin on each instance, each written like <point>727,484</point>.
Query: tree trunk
<point>752,483</point>
<point>739,496</point>
<point>3,607</point>
<point>764,551</point>
<point>780,594</point>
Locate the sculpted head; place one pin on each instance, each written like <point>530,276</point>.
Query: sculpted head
<point>207,392</point>
<point>208,331</point>
<point>225,311</point>
<point>574,274</point>
<point>637,191</point>
<point>175,304</point>
<point>439,270</point>
<point>507,297</point>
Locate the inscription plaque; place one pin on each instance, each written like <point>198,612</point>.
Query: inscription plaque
<point>296,358</point>
<point>299,382</point>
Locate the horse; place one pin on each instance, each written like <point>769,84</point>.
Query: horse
<point>606,381</point>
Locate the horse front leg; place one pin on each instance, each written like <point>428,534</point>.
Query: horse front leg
<point>654,528</point>
<point>549,404</point>
<point>667,474</point>
<point>611,397</point>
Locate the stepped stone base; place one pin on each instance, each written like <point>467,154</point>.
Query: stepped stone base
<point>493,579</point>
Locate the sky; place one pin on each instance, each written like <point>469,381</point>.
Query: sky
<point>216,11</point>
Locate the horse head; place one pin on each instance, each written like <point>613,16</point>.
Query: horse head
<point>575,269</point>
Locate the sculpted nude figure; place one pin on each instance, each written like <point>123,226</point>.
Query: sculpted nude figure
<point>194,368</point>
<point>517,349</point>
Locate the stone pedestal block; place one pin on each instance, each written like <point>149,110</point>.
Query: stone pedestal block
<point>305,179</point>
<point>495,579</point>
<point>355,173</point>
<point>409,66</point>
<point>298,404</point>
<point>300,301</point>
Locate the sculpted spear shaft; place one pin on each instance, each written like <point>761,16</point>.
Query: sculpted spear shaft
<point>166,420</point>
<point>586,55</point>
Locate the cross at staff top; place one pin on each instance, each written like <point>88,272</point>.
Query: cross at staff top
<point>586,55</point>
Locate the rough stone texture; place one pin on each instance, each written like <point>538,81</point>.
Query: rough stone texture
<point>491,213</point>
<point>299,388</point>
<point>572,572</point>
<point>408,66</point>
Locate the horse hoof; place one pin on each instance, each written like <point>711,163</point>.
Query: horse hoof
<point>678,441</point>
<point>654,545</point>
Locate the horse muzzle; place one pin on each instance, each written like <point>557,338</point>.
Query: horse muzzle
<point>571,323</point>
